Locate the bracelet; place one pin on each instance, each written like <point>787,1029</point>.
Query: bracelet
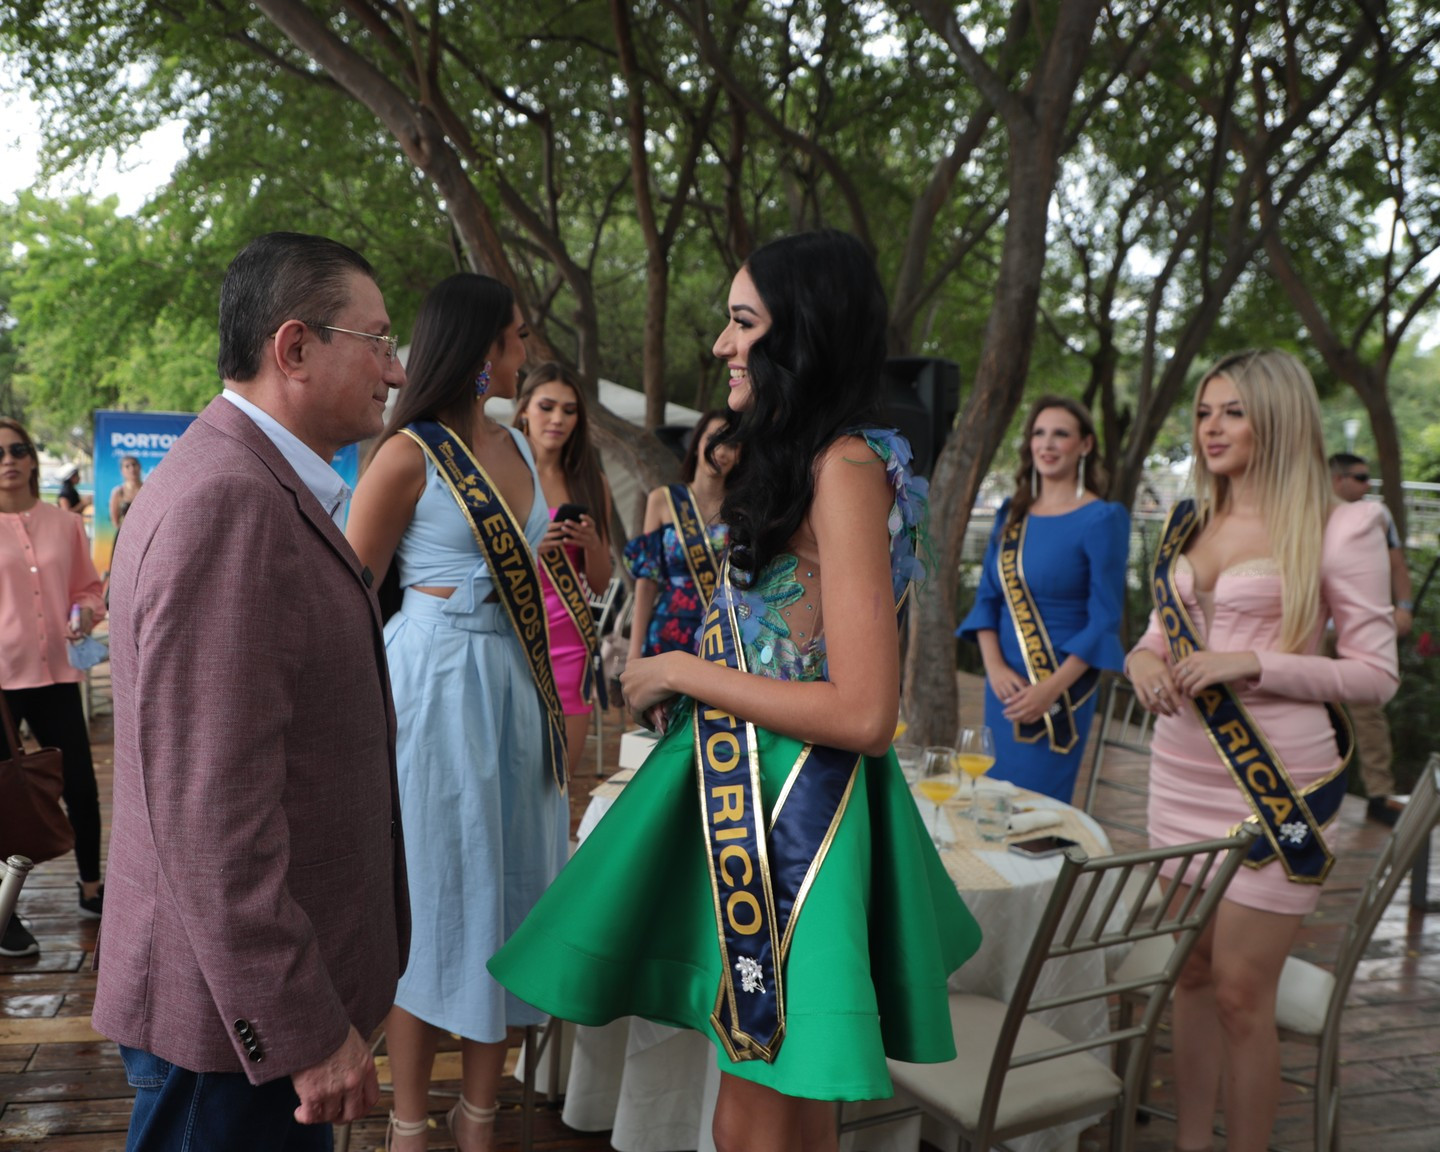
<point>1406,606</point>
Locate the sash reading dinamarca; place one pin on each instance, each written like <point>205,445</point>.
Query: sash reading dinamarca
<point>1040,660</point>
<point>566,582</point>
<point>699,556</point>
<point>1291,820</point>
<point>758,882</point>
<point>512,568</point>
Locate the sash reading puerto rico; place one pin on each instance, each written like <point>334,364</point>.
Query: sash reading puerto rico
<point>758,882</point>
<point>1035,648</point>
<point>1291,820</point>
<point>512,568</point>
<point>566,581</point>
<point>694,540</point>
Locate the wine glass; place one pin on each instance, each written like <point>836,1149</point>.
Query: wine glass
<point>938,782</point>
<point>975,754</point>
<point>975,750</point>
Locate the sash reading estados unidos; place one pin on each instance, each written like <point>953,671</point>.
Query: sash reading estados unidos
<point>1291,820</point>
<point>758,881</point>
<point>694,541</point>
<point>1035,648</point>
<point>512,568</point>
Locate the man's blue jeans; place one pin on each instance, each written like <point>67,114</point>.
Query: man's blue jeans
<point>181,1111</point>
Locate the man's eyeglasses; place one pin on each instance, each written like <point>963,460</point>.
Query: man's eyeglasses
<point>19,451</point>
<point>392,345</point>
<point>1361,477</point>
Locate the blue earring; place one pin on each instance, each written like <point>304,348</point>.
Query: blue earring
<point>482,381</point>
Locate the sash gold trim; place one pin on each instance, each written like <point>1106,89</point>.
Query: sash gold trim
<point>694,541</point>
<point>1291,819</point>
<point>567,583</point>
<point>1036,650</point>
<point>501,540</point>
<point>766,873</point>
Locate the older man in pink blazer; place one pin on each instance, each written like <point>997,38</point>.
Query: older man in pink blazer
<point>256,919</point>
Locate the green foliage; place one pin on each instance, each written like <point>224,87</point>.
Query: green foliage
<point>1414,713</point>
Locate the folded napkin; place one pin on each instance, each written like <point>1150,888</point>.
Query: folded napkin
<point>968,786</point>
<point>1035,819</point>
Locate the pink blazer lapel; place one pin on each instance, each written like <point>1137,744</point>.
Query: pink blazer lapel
<point>225,417</point>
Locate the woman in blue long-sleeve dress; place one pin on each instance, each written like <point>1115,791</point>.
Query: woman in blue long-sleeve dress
<point>1047,612</point>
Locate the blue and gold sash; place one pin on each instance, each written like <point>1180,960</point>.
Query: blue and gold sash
<point>1035,648</point>
<point>694,541</point>
<point>512,568</point>
<point>566,582</point>
<point>758,881</point>
<point>1291,820</point>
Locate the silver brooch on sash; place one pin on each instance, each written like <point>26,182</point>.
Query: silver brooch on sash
<point>1293,832</point>
<point>752,977</point>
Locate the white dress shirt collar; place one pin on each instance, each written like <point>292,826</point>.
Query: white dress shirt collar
<point>314,472</point>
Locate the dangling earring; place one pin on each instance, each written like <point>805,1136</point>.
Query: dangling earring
<point>1034,483</point>
<point>482,381</point>
<point>1080,479</point>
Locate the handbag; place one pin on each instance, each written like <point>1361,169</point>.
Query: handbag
<point>32,822</point>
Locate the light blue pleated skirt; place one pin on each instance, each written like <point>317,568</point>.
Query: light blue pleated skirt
<point>486,828</point>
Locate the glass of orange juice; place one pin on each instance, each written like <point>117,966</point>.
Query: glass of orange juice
<point>975,752</point>
<point>938,781</point>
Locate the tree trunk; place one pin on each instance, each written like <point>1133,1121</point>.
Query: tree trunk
<point>1035,129</point>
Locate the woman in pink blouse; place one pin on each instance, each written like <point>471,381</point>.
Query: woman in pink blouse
<point>45,571</point>
<point>1272,555</point>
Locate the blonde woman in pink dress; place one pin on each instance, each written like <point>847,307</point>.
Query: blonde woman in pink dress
<point>1272,556</point>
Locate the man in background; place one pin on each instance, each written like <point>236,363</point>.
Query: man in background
<point>1350,477</point>
<point>256,919</point>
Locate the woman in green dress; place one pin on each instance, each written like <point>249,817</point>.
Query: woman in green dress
<point>766,878</point>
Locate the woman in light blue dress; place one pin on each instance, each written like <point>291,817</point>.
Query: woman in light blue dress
<point>486,823</point>
<point>1071,559</point>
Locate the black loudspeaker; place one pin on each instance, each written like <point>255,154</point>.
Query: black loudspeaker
<point>922,396</point>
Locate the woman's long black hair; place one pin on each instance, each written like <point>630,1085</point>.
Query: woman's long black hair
<point>814,375</point>
<point>458,323</point>
<point>691,463</point>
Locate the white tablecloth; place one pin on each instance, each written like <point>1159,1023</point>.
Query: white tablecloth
<point>655,1087</point>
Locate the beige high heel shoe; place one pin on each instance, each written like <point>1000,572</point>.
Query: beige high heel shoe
<point>475,1115</point>
<point>404,1128</point>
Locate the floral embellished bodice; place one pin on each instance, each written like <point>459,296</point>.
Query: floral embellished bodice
<point>773,612</point>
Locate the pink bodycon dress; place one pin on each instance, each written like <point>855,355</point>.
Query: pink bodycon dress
<point>567,650</point>
<point>1192,796</point>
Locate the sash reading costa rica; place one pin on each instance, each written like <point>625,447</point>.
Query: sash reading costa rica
<point>512,568</point>
<point>1291,820</point>
<point>699,556</point>
<point>1038,653</point>
<point>758,881</point>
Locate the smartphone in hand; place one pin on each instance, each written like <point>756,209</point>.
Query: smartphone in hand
<point>570,512</point>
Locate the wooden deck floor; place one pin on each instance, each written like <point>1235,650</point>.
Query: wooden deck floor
<point>62,1088</point>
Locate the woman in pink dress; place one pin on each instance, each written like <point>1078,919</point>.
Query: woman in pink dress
<point>1272,556</point>
<point>550,410</point>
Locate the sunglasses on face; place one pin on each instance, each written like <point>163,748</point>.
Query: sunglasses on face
<point>19,451</point>
<point>1360,477</point>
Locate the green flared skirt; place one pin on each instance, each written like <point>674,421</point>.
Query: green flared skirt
<point>628,929</point>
